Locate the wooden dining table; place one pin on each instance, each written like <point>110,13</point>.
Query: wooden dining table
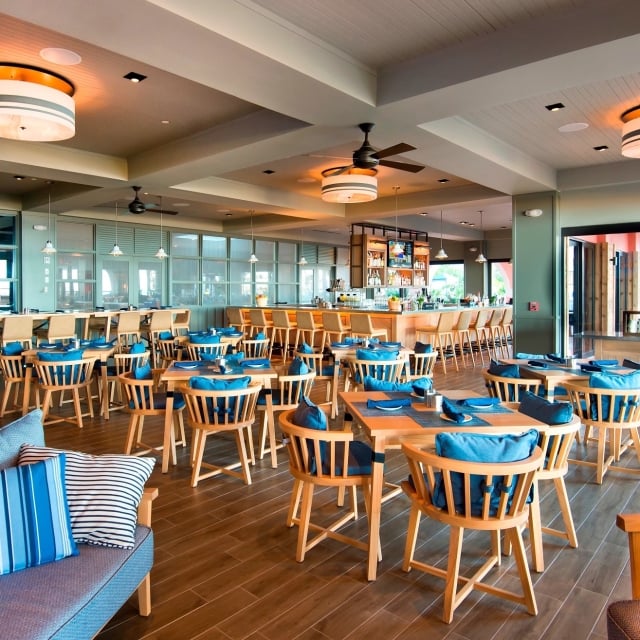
<point>418,424</point>
<point>180,371</point>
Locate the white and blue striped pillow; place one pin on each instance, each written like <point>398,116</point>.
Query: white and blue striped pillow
<point>103,493</point>
<point>34,517</point>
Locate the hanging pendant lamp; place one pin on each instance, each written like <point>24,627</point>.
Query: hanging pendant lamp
<point>302,260</point>
<point>161,254</point>
<point>48,248</point>
<point>116,252</point>
<point>252,258</point>
<point>397,248</point>
<point>481,259</point>
<point>442,254</point>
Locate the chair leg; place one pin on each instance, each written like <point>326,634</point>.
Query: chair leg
<point>305,517</point>
<point>144,596</point>
<point>242,453</point>
<point>296,494</point>
<point>565,510</point>
<point>535,530</point>
<point>528,596</point>
<point>199,440</point>
<point>412,537</point>
<point>453,572</point>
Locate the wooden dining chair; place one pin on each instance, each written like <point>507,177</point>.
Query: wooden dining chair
<point>122,363</point>
<point>13,375</point>
<point>180,323</point>
<point>215,412</point>
<point>324,371</point>
<point>213,350</point>
<point>509,389</point>
<point>420,365</point>
<point>256,348</point>
<point>321,458</point>
<point>385,370</point>
<point>448,491</point>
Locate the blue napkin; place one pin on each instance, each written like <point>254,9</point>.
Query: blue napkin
<point>521,355</point>
<point>541,364</point>
<point>554,358</point>
<point>590,367</point>
<point>450,411</point>
<point>389,404</point>
<point>479,402</point>
<point>263,362</point>
<point>604,363</point>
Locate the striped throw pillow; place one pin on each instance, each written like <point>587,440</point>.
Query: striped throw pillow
<point>103,493</point>
<point>34,516</point>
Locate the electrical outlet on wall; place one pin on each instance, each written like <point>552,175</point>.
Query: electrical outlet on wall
<point>534,306</point>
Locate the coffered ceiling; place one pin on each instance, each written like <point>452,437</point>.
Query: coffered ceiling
<point>246,102</point>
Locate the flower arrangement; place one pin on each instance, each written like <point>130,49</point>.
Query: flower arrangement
<point>394,303</point>
<point>261,299</point>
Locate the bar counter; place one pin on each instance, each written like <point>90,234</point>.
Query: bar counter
<point>400,325</point>
<point>610,346</point>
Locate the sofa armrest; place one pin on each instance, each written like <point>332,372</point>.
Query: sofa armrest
<point>144,508</point>
<point>630,523</point>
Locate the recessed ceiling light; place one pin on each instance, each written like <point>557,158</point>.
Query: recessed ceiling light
<point>556,106</point>
<point>268,171</point>
<point>228,215</point>
<point>423,213</point>
<point>463,222</point>
<point>60,56</point>
<point>165,121</point>
<point>443,180</point>
<point>572,126</point>
<point>601,147</point>
<point>19,177</point>
<point>132,76</point>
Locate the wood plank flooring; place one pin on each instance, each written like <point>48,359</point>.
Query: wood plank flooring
<point>225,566</point>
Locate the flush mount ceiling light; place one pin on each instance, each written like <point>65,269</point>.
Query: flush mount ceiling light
<point>350,185</point>
<point>442,254</point>
<point>556,106</point>
<point>481,259</point>
<point>116,252</point>
<point>48,248</point>
<point>631,132</point>
<point>36,105</point>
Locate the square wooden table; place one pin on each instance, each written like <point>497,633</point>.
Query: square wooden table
<point>387,429</point>
<point>181,372</point>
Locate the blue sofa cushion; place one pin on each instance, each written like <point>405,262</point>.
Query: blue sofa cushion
<point>103,493</point>
<point>34,516</point>
<point>545,410</point>
<point>27,429</point>
<point>478,447</point>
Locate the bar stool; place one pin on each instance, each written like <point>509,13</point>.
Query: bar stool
<point>307,328</point>
<point>362,326</point>
<point>281,329</point>
<point>506,330</point>
<point>62,327</point>
<point>259,322</point>
<point>493,331</point>
<point>128,329</point>
<point>334,330</point>
<point>181,322</point>
<point>236,319</point>
<point>479,329</point>
<point>441,336</point>
<point>462,336</point>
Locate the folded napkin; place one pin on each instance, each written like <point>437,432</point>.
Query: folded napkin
<point>590,367</point>
<point>390,344</point>
<point>541,364</point>
<point>554,358</point>
<point>479,402</point>
<point>389,404</point>
<point>604,363</point>
<point>187,364</point>
<point>521,355</point>
<point>262,362</point>
<point>449,410</point>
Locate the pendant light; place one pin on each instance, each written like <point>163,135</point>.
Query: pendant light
<point>48,248</point>
<point>397,249</point>
<point>252,258</point>
<point>302,260</point>
<point>116,252</point>
<point>442,254</point>
<point>481,259</point>
<point>161,254</point>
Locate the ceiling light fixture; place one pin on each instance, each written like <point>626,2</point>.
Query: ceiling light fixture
<point>398,248</point>
<point>252,258</point>
<point>631,132</point>
<point>302,260</point>
<point>481,259</point>
<point>48,248</point>
<point>161,254</point>
<point>556,106</point>
<point>134,77</point>
<point>349,185</point>
<point>36,105</point>
<point>116,252</point>
<point>442,254</point>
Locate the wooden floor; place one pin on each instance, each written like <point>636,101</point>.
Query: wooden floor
<point>225,567</point>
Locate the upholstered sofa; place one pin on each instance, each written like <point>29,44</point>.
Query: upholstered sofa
<point>75,596</point>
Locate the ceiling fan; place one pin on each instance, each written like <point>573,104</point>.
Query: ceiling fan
<point>137,206</point>
<point>366,157</point>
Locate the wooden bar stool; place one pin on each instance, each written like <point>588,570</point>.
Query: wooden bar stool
<point>282,327</point>
<point>334,330</point>
<point>362,327</point>
<point>441,336</point>
<point>479,329</point>
<point>462,337</point>
<point>259,322</point>
<point>236,319</point>
<point>307,328</point>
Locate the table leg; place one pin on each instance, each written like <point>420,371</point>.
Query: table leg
<point>168,427</point>
<point>104,381</point>
<point>377,483</point>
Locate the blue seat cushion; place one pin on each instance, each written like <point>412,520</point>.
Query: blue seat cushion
<point>137,347</point>
<point>480,447</point>
<point>25,429</point>
<point>35,527</point>
<point>160,401</point>
<point>545,410</point>
<point>614,381</point>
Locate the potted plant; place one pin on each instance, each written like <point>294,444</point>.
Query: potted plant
<point>394,303</point>
<point>261,300</point>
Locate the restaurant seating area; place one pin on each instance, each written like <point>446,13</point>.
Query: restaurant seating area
<point>250,523</point>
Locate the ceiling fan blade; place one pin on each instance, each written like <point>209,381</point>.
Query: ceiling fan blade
<point>401,147</point>
<point>162,211</point>
<point>403,166</point>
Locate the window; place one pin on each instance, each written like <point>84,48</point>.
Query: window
<point>501,279</point>
<point>446,281</point>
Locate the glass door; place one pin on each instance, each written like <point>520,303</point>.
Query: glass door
<point>131,281</point>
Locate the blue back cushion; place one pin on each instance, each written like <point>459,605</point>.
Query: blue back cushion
<point>12,349</point>
<point>478,447</point>
<point>34,515</point>
<point>373,384</point>
<point>628,381</point>
<point>305,348</point>
<point>309,415</point>
<point>298,367</point>
<point>219,384</point>
<point>64,373</point>
<point>137,347</point>
<point>376,354</point>
<point>143,372</point>
<point>27,429</point>
<point>544,410</point>
<point>422,347</point>
<point>504,370</point>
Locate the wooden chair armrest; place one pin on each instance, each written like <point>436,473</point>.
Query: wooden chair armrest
<point>144,508</point>
<point>630,523</point>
